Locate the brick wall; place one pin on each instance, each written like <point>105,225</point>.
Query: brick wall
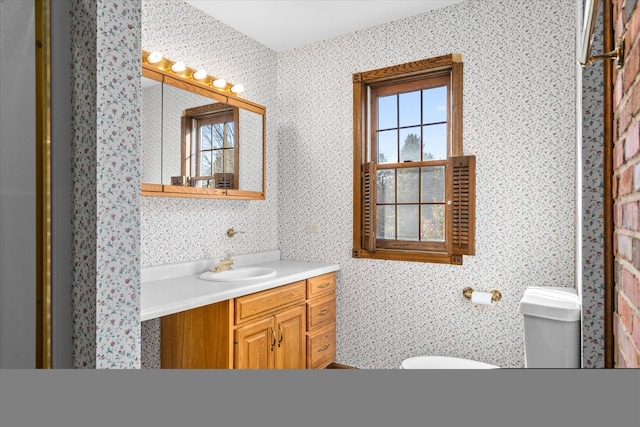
<point>626,187</point>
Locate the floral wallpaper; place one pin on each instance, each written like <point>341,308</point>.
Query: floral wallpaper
<point>519,120</point>
<point>592,208</point>
<point>176,229</point>
<point>106,192</point>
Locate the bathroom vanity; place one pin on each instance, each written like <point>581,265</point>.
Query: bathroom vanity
<point>284,321</point>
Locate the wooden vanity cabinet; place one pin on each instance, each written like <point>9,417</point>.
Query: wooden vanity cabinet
<point>277,342</point>
<point>321,321</point>
<point>272,329</point>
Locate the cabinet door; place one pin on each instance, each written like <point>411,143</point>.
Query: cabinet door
<point>291,345</point>
<point>255,345</point>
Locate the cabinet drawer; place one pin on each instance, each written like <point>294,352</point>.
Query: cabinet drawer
<point>266,302</point>
<point>321,285</point>
<point>320,312</point>
<point>321,347</point>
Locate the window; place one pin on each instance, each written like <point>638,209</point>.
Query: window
<point>414,192</point>
<point>210,146</point>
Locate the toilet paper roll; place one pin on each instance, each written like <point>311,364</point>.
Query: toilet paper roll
<point>481,298</point>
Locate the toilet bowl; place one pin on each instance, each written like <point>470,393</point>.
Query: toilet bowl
<point>443,362</point>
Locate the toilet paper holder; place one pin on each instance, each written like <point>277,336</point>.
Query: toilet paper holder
<point>496,295</point>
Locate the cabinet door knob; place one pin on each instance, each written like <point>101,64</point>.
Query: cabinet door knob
<point>281,335</point>
<point>323,348</point>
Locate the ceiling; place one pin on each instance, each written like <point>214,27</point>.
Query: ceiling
<point>282,25</point>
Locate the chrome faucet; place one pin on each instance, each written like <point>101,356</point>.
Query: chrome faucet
<point>224,264</point>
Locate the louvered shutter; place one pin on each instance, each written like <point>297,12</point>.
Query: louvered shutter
<point>462,206</point>
<point>369,206</point>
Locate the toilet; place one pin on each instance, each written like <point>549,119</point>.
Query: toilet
<point>443,362</point>
<point>551,327</point>
<point>551,333</point>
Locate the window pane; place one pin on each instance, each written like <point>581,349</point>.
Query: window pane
<point>228,160</point>
<point>205,163</point>
<point>435,142</point>
<point>408,222</point>
<point>432,228</point>
<point>217,162</point>
<point>205,137</point>
<point>385,222</point>
<point>434,105</point>
<point>410,140</point>
<point>408,186</point>
<point>218,134</point>
<point>410,109</point>
<point>230,139</point>
<point>433,184</point>
<point>388,146</point>
<point>387,112</point>
<point>386,186</point>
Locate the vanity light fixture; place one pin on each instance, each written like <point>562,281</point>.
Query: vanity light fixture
<point>200,74</point>
<point>219,83</point>
<point>154,57</point>
<point>178,67</point>
<point>158,60</point>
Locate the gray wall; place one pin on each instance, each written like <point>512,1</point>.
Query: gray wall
<point>17,185</point>
<point>61,136</point>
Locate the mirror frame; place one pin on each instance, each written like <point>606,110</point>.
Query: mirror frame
<point>161,72</point>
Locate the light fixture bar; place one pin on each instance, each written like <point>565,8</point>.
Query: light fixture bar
<point>157,60</point>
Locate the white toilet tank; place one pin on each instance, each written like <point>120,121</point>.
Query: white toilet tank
<point>551,327</point>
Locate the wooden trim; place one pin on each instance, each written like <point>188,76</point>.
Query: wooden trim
<point>339,366</point>
<point>43,183</point>
<point>382,74</point>
<point>359,156</point>
<point>432,257</point>
<point>609,261</point>
<point>456,109</point>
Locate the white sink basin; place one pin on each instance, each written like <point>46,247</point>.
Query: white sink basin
<point>238,274</point>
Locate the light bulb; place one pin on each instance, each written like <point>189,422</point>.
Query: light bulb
<point>220,83</point>
<point>237,88</point>
<point>178,67</point>
<point>154,57</point>
<point>200,74</point>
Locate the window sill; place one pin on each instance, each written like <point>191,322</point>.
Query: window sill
<point>430,257</point>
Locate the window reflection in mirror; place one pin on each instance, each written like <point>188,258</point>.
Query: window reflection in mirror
<point>210,146</point>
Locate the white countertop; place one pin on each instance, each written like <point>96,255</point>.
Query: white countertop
<point>173,288</point>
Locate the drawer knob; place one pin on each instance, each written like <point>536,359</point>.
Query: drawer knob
<point>323,312</point>
<point>323,348</point>
<point>324,285</point>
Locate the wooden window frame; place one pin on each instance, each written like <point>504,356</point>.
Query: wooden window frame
<point>459,169</point>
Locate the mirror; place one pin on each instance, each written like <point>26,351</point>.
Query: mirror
<point>198,141</point>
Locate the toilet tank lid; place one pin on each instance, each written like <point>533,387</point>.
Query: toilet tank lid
<point>556,303</point>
